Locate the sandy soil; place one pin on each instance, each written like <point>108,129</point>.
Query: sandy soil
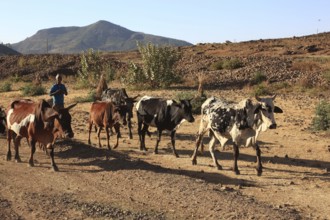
<point>125,183</point>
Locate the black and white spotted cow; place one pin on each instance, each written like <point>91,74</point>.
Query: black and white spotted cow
<point>119,97</point>
<point>163,114</point>
<point>247,120</point>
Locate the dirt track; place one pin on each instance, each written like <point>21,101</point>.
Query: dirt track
<point>128,184</point>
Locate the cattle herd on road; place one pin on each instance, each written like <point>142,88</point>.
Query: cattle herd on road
<point>239,122</point>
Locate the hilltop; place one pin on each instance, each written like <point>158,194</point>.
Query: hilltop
<point>102,35</point>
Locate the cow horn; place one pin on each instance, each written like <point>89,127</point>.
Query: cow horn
<point>274,96</point>
<point>257,98</point>
<point>71,106</point>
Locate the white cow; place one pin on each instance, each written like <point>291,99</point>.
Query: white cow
<point>241,122</point>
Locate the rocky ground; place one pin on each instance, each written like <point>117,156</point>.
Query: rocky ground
<point>128,184</point>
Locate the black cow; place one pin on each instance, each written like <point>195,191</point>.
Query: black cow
<point>163,114</point>
<point>119,97</point>
<point>2,120</point>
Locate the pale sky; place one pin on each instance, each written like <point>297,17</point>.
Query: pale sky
<point>195,21</point>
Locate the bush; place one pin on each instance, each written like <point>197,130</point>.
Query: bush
<point>321,120</point>
<point>196,101</point>
<point>258,78</point>
<point>217,65</point>
<point>91,97</point>
<point>33,90</point>
<point>157,70</point>
<point>261,90</point>
<point>5,87</point>
<point>232,64</point>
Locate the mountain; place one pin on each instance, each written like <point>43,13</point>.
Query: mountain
<point>102,35</point>
<point>4,50</point>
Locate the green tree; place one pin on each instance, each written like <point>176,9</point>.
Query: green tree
<point>158,67</point>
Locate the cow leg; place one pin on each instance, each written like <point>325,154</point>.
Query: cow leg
<point>33,150</point>
<point>129,125</point>
<point>89,132</point>
<point>51,153</point>
<point>143,135</point>
<point>173,143</point>
<point>236,154</point>
<point>108,137</point>
<point>211,148</point>
<point>117,128</point>
<point>159,132</point>
<point>17,142</point>
<point>98,136</point>
<point>140,131</point>
<point>259,165</point>
<point>9,137</point>
<point>198,143</point>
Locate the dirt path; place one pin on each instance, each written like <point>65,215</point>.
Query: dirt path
<point>128,184</point>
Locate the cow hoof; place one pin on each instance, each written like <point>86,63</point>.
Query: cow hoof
<point>115,146</point>
<point>176,155</point>
<point>155,152</point>
<point>18,160</point>
<point>55,168</point>
<point>259,172</point>
<point>237,172</point>
<point>194,162</point>
<point>8,158</point>
<point>31,165</point>
<point>219,167</point>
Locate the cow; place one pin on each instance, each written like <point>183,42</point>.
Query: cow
<point>2,121</point>
<point>104,114</point>
<point>162,114</point>
<point>258,117</point>
<point>120,97</point>
<point>38,122</point>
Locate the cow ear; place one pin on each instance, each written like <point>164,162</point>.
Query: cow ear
<point>71,106</point>
<point>277,110</point>
<point>135,97</point>
<point>258,98</point>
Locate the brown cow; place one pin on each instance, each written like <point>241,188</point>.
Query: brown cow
<point>106,115</point>
<point>37,122</point>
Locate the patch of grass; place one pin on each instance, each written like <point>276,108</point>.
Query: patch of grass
<point>90,97</point>
<point>217,65</point>
<point>321,120</point>
<point>326,75</point>
<point>259,77</point>
<point>227,64</point>
<point>5,87</point>
<point>33,90</point>
<point>261,90</point>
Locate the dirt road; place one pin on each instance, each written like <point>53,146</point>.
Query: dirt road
<point>128,184</point>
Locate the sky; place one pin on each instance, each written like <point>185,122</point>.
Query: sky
<point>195,21</point>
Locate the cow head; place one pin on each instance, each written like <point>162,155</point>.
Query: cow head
<point>186,108</point>
<point>129,102</point>
<point>267,108</point>
<point>2,120</point>
<point>120,113</point>
<point>65,120</point>
<point>45,116</point>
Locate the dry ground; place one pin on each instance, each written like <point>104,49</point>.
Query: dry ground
<point>128,184</point>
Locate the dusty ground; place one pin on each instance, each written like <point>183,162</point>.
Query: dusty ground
<point>128,184</point>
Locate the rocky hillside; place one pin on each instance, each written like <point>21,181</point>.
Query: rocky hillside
<point>4,50</point>
<point>292,60</point>
<point>102,35</point>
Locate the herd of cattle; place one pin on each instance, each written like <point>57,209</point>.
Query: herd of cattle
<point>239,122</point>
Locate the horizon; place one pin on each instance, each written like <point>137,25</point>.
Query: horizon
<point>208,22</point>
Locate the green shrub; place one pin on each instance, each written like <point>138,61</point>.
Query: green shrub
<point>321,120</point>
<point>5,87</point>
<point>326,76</point>
<point>261,90</point>
<point>196,101</point>
<point>217,65</point>
<point>91,97</point>
<point>158,67</point>
<point>258,78</point>
<point>232,64</point>
<point>33,90</point>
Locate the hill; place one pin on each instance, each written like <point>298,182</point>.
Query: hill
<point>4,50</point>
<point>102,35</point>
